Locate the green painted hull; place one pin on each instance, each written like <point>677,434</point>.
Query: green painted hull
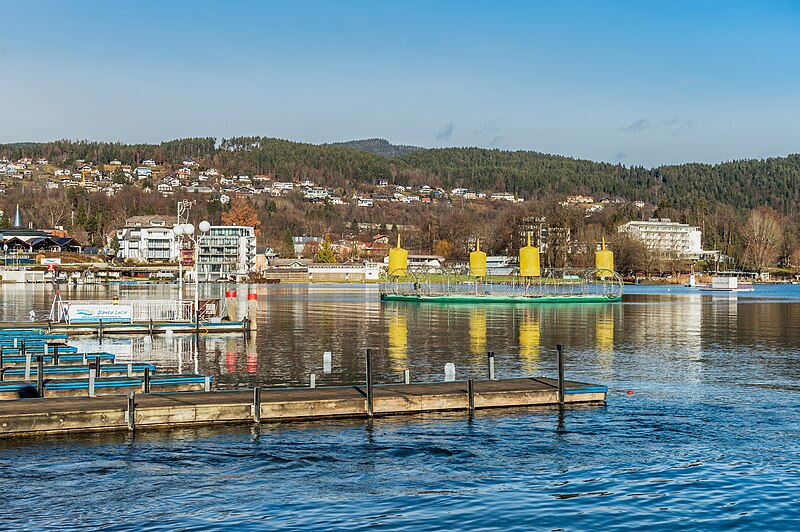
<point>526,300</point>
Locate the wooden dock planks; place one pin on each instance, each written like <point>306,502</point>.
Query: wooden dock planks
<point>84,414</point>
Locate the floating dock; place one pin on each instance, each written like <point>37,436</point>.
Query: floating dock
<point>561,286</point>
<point>44,416</point>
<point>204,327</point>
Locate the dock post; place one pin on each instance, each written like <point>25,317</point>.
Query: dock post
<point>92,374</point>
<point>449,372</point>
<point>406,376</point>
<point>146,380</point>
<point>370,402</point>
<point>560,350</point>
<point>100,330</point>
<point>257,404</point>
<point>312,380</point>
<point>40,375</point>
<point>471,393</point>
<point>15,343</point>
<point>131,413</point>
<point>27,363</point>
<point>151,328</point>
<point>97,365</point>
<point>490,360</point>
<point>207,383</point>
<point>85,360</point>
<point>49,326</point>
<point>252,311</point>
<point>55,354</point>
<point>130,369</point>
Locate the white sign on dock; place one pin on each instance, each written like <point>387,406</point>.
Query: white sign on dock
<point>85,313</point>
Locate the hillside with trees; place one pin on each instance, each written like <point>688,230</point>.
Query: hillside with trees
<point>744,184</point>
<point>747,209</point>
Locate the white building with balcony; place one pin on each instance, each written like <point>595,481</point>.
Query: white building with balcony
<point>227,252</point>
<point>671,240</point>
<point>148,239</point>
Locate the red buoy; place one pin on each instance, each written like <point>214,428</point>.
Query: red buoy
<point>630,392</point>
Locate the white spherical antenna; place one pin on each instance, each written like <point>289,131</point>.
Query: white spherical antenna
<point>205,226</point>
<point>188,229</point>
<point>178,230</point>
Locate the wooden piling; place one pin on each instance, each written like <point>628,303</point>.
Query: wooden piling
<point>257,404</point>
<point>40,375</point>
<point>560,351</point>
<point>92,375</point>
<point>130,414</point>
<point>370,396</point>
<point>471,393</point>
<point>27,362</point>
<point>252,311</point>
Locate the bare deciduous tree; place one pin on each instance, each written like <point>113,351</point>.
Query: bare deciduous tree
<point>764,238</point>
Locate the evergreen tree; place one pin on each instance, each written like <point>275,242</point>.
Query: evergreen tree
<point>325,254</point>
<point>287,250</point>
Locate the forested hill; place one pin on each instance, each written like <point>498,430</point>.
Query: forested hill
<point>377,146</point>
<point>741,184</point>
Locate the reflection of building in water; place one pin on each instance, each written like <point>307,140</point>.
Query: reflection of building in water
<point>398,342</point>
<point>669,323</point>
<point>477,331</point>
<point>169,353</point>
<point>529,338</point>
<point>720,317</point>
<point>604,335</point>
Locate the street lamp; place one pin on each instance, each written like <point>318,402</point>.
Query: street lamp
<point>187,231</point>
<point>178,231</point>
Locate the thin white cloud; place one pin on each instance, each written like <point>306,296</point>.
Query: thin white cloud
<point>673,126</point>
<point>446,131</point>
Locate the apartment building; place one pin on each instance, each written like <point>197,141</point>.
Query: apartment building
<point>671,240</point>
<point>226,252</point>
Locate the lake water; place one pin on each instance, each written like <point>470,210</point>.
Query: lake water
<point>709,438</point>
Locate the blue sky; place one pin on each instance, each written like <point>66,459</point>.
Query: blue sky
<point>634,82</point>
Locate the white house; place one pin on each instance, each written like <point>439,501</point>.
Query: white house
<point>148,239</point>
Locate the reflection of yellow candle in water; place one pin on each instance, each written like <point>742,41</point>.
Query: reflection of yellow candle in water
<point>398,342</point>
<point>604,337</point>
<point>477,331</point>
<point>529,337</point>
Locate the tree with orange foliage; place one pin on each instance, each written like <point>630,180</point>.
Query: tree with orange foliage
<point>241,212</point>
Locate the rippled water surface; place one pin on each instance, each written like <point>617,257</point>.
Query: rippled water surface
<point>709,438</point>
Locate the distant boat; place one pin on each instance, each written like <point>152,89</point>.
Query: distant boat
<point>727,284</point>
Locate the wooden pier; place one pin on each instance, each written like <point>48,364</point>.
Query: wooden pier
<point>43,416</point>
